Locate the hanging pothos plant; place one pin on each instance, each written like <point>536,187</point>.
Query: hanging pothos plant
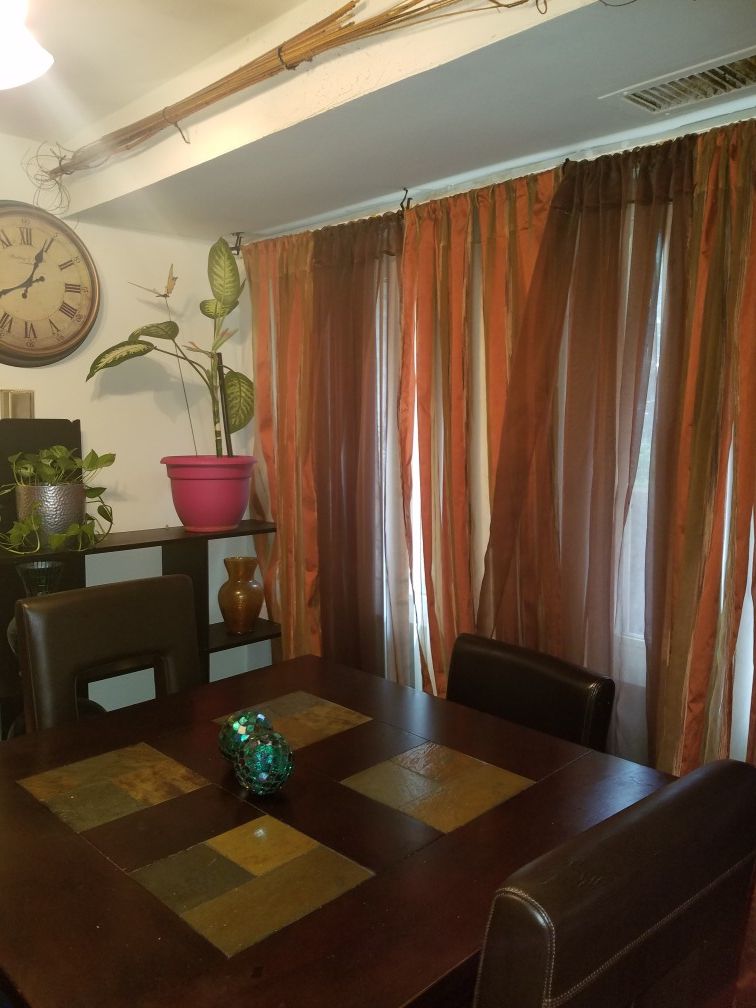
<point>162,337</point>
<point>47,470</point>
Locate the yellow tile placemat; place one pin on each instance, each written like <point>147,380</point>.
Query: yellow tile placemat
<point>303,718</point>
<point>97,790</point>
<point>288,876</point>
<point>439,786</point>
<point>239,887</point>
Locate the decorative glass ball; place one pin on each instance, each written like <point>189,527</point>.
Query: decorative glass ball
<point>263,763</point>
<point>237,728</point>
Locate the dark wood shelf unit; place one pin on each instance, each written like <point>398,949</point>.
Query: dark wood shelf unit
<point>219,639</point>
<point>181,552</point>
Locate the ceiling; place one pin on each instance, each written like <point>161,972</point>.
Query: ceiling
<point>107,52</point>
<point>537,95</point>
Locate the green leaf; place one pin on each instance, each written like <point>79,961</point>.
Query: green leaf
<point>240,398</point>
<point>213,309</point>
<point>24,469</point>
<point>92,493</point>
<point>47,473</point>
<point>94,461</point>
<point>155,330</point>
<point>223,274</point>
<point>105,511</point>
<point>117,355</point>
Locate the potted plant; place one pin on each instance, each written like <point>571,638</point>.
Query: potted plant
<point>210,492</point>
<point>52,490</point>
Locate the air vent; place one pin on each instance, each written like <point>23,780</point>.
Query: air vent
<point>712,83</point>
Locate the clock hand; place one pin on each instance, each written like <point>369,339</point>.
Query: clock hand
<point>37,262</point>
<point>26,284</point>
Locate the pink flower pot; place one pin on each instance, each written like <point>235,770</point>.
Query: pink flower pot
<point>210,492</point>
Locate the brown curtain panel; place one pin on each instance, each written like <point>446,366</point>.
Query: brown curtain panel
<point>572,424</point>
<point>326,360</point>
<point>519,602</point>
<point>614,245</point>
<point>355,332</point>
<point>704,425</point>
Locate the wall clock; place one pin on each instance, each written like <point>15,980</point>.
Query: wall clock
<point>49,290</point>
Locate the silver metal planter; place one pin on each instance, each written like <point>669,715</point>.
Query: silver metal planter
<point>58,506</point>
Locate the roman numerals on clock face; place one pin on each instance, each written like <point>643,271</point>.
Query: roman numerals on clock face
<point>49,290</point>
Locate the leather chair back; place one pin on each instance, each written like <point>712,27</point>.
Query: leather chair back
<point>647,909</point>
<point>70,638</point>
<point>532,689</point>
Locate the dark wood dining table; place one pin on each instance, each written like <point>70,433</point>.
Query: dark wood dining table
<point>135,871</point>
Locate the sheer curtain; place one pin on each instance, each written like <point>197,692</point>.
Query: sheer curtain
<point>326,361</point>
<point>703,475</point>
<point>467,265</point>
<point>614,389</point>
<point>555,433</point>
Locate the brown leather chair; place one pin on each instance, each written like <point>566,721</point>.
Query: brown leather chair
<point>645,910</point>
<point>70,638</point>
<point>532,689</point>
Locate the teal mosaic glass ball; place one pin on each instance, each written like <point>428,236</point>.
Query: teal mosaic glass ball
<point>237,728</point>
<point>263,763</point>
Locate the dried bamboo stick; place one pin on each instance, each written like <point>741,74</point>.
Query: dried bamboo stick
<point>336,29</point>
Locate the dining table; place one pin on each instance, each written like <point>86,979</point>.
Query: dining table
<point>136,872</point>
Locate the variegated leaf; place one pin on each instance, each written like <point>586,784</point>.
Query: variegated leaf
<point>155,330</point>
<point>213,309</point>
<point>117,354</point>
<point>240,399</point>
<point>223,273</point>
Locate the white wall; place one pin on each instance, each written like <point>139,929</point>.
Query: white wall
<point>137,410</point>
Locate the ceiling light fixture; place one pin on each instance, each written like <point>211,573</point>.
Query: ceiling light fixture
<point>22,58</point>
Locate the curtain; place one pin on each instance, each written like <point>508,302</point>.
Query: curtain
<point>702,492</point>
<point>563,340</point>
<point>280,283</point>
<point>433,391</point>
<point>466,268</point>
<point>573,282</point>
<point>326,363</point>
<point>571,428</point>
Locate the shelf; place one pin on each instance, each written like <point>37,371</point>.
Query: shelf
<point>181,552</point>
<point>220,640</point>
<point>168,536</point>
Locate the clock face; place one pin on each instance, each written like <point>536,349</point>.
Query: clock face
<point>49,291</point>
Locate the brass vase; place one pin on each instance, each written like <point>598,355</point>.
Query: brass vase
<point>240,597</point>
